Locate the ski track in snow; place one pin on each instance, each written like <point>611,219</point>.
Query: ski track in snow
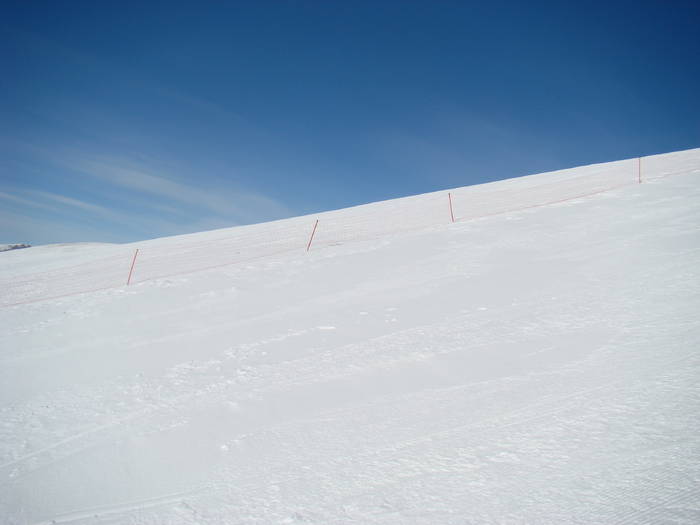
<point>538,366</point>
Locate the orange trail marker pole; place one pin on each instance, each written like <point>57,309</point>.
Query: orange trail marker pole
<point>452,215</point>
<point>313,232</point>
<point>639,170</point>
<point>131,270</point>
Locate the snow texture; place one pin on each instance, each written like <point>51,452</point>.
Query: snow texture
<point>534,362</point>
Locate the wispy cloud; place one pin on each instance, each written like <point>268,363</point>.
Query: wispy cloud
<point>243,206</point>
<point>26,202</point>
<point>57,203</point>
<point>154,178</point>
<point>71,202</point>
<point>130,193</point>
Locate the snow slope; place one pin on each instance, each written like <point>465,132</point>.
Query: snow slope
<point>534,362</point>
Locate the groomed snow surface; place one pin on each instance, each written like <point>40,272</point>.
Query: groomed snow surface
<point>537,361</point>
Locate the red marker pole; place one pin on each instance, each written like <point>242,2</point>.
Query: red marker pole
<point>131,270</point>
<point>313,232</point>
<point>452,215</point>
<point>639,170</point>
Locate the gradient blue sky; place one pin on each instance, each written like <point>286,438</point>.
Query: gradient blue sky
<point>122,121</point>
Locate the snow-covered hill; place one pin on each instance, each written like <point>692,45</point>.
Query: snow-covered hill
<point>536,361</point>
<point>8,247</point>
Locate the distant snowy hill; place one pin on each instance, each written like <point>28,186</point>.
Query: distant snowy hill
<point>534,361</point>
<point>8,247</point>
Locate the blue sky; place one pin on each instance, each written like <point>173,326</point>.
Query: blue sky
<point>123,121</point>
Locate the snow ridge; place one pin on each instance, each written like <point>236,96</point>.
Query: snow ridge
<point>181,255</point>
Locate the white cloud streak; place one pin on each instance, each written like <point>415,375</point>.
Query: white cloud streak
<point>26,202</point>
<point>148,196</point>
<point>244,206</point>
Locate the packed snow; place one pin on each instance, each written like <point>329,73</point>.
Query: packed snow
<point>535,361</point>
